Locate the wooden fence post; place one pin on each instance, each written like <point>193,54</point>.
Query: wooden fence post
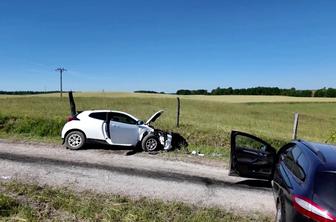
<point>295,127</point>
<point>178,112</point>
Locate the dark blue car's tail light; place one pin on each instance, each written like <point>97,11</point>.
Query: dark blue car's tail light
<point>311,210</point>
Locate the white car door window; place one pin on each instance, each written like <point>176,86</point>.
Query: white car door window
<point>93,126</point>
<point>123,129</point>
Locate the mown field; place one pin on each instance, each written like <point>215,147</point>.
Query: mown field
<point>206,121</point>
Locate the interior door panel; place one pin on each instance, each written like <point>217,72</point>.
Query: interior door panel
<point>251,157</point>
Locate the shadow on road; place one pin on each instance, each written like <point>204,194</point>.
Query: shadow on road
<point>256,183</point>
<point>154,173</point>
<point>129,150</point>
<point>124,149</point>
<point>98,146</point>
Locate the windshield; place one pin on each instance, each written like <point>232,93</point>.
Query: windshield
<point>325,190</point>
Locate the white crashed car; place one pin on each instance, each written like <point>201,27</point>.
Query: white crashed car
<point>114,128</point>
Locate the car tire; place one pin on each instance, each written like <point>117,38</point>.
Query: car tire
<point>75,140</point>
<point>280,215</point>
<point>150,143</point>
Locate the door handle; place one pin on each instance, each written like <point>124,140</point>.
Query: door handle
<point>250,152</point>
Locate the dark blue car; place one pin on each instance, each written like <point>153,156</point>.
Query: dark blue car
<point>303,175</point>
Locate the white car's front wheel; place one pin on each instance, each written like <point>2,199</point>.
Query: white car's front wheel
<point>150,143</point>
<point>75,140</point>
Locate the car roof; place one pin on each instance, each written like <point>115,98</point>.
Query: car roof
<point>98,110</point>
<point>325,152</point>
<point>105,110</point>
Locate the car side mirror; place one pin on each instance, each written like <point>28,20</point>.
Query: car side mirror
<point>140,122</point>
<point>263,148</point>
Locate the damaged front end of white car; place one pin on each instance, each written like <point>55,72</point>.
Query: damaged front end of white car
<point>167,140</point>
<point>159,139</point>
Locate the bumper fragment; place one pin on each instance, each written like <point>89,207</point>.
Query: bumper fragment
<point>168,142</point>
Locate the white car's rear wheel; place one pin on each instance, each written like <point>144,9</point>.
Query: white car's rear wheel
<point>75,140</point>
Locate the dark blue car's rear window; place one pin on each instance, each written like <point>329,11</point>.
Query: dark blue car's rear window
<point>325,189</point>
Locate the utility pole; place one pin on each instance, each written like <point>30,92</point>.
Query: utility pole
<point>61,70</point>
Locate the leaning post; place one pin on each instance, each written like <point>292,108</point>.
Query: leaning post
<point>295,127</point>
<point>178,112</point>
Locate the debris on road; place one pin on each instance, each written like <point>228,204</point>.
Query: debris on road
<point>5,177</point>
<point>194,152</point>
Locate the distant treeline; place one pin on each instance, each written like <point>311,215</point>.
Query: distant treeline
<point>148,91</point>
<point>25,92</point>
<point>266,91</point>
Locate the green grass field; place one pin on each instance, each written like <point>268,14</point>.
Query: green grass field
<point>206,121</point>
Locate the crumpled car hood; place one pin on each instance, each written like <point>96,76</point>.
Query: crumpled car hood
<point>155,116</point>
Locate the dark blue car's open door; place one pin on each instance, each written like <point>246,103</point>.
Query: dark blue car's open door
<point>251,157</point>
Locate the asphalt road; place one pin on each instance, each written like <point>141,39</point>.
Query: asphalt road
<point>139,175</point>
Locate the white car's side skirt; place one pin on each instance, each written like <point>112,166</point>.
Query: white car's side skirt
<point>109,141</point>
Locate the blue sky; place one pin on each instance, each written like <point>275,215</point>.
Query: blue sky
<point>126,45</point>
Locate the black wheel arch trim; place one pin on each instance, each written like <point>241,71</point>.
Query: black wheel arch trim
<point>72,130</point>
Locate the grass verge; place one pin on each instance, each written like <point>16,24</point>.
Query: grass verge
<point>31,202</point>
